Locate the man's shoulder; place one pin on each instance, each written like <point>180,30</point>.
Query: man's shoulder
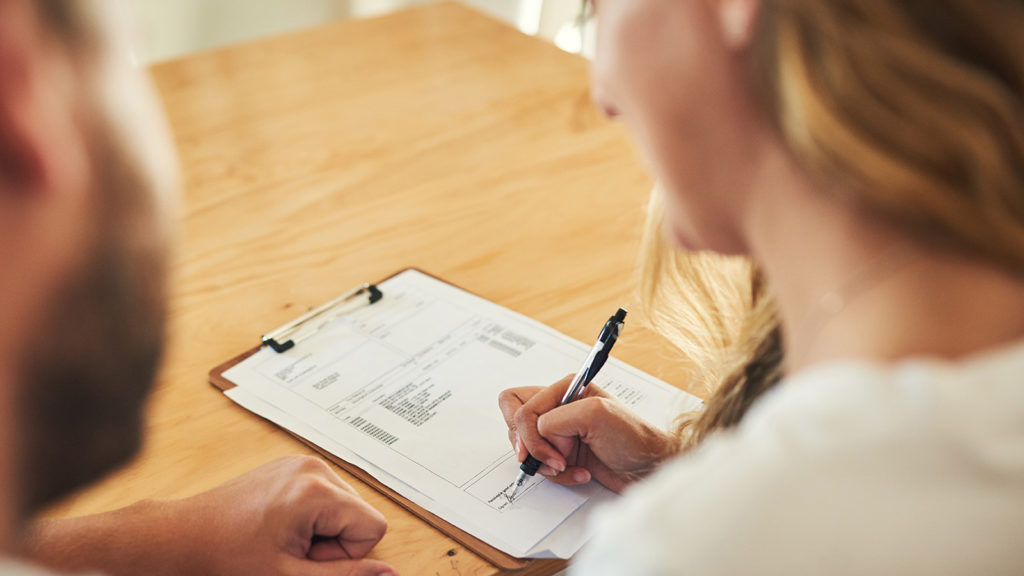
<point>11,567</point>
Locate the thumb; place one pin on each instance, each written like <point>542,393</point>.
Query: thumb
<point>361,567</point>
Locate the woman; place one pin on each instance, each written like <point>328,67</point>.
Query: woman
<point>867,156</point>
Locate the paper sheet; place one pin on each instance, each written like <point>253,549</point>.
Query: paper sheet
<point>407,390</point>
<point>562,543</point>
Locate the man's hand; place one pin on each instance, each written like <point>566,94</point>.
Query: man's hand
<point>289,517</point>
<point>593,437</point>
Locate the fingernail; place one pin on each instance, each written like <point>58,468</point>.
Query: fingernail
<point>556,465</point>
<point>581,476</point>
<point>519,445</point>
<point>546,470</point>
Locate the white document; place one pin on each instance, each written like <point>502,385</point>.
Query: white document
<point>407,389</point>
<point>562,543</point>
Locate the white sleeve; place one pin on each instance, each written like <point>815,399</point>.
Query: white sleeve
<point>738,505</point>
<point>669,523</point>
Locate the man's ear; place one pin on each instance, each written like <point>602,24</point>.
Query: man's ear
<point>39,142</point>
<point>737,21</point>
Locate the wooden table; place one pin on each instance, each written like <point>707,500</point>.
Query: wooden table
<point>434,138</point>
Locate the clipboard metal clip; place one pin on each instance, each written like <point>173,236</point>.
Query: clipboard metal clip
<point>286,336</point>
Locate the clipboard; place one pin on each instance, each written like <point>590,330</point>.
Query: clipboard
<point>501,560</point>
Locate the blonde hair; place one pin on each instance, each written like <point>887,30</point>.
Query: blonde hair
<point>917,106</point>
<point>717,312</point>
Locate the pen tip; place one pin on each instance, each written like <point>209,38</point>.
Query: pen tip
<point>520,480</point>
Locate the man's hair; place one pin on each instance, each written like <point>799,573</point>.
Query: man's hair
<point>61,17</point>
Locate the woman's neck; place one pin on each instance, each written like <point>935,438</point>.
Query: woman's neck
<point>851,286</point>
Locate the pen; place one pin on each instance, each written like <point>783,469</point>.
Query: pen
<point>591,366</point>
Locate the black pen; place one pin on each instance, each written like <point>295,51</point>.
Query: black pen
<point>591,366</point>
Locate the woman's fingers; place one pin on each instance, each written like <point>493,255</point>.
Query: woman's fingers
<point>612,435</point>
<point>524,423</point>
<point>522,407</point>
<point>595,437</point>
<point>509,402</point>
<point>583,419</point>
<point>573,476</point>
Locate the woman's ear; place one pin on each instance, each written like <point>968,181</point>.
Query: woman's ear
<point>737,20</point>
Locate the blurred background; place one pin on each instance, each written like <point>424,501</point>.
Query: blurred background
<point>168,29</point>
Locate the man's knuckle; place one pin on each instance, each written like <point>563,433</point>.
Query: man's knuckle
<point>380,524</point>
<point>309,486</point>
<point>307,464</point>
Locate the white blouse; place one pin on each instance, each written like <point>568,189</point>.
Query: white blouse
<point>846,468</point>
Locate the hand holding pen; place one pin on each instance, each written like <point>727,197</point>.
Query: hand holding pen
<point>595,437</point>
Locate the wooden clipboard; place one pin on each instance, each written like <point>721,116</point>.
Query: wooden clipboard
<point>501,560</point>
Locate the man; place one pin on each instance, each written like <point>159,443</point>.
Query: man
<point>87,184</point>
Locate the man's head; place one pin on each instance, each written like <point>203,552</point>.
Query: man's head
<point>86,180</point>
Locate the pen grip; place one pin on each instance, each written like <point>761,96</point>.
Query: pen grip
<point>530,465</point>
<point>595,368</point>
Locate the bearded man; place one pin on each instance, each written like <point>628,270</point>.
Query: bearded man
<point>88,185</point>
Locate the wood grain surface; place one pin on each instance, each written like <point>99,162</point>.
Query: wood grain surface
<point>434,138</point>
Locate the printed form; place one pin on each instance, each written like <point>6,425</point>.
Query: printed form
<point>407,389</point>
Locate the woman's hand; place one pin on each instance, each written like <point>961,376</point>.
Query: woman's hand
<point>594,437</point>
<point>292,516</point>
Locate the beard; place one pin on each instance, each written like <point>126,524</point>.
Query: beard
<point>95,352</point>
